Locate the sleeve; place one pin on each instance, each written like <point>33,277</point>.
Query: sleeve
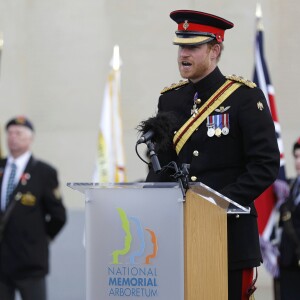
<point>261,154</point>
<point>54,207</point>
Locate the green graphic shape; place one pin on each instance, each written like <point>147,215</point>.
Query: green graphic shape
<point>127,238</point>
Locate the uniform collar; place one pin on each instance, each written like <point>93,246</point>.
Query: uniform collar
<point>211,81</point>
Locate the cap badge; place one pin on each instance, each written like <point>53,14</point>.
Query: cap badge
<point>20,120</point>
<point>260,106</point>
<point>186,25</point>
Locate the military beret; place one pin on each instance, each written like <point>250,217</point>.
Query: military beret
<point>196,27</point>
<point>20,120</point>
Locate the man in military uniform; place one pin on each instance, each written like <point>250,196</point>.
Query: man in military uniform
<point>225,133</point>
<point>290,240</point>
<point>32,214</point>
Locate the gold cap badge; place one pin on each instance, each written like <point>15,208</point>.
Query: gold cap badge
<point>185,25</point>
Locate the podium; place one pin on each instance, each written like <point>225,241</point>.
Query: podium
<point>143,240</point>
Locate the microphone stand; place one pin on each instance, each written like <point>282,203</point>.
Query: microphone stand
<point>181,175</point>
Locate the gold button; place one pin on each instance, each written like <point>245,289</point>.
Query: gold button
<point>237,216</point>
<point>194,178</point>
<point>196,153</point>
<point>198,101</point>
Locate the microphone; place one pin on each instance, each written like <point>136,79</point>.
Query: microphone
<point>160,130</point>
<point>153,157</point>
<point>145,137</point>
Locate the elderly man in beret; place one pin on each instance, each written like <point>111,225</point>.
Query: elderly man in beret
<point>32,214</point>
<point>225,133</point>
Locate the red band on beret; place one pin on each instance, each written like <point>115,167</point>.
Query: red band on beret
<point>219,33</point>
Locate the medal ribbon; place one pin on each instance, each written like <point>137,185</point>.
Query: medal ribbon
<point>225,120</point>
<point>206,109</point>
<point>210,122</point>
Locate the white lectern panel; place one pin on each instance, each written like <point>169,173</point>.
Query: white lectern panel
<point>134,243</point>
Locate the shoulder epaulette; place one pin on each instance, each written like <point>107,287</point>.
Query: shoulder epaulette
<point>174,86</point>
<point>241,80</point>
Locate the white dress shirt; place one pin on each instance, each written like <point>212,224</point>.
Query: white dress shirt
<point>21,163</point>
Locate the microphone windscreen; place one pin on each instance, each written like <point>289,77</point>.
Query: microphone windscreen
<point>163,125</point>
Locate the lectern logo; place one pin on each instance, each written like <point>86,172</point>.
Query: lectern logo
<point>128,238</point>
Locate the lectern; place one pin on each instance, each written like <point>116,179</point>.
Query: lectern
<point>144,240</point>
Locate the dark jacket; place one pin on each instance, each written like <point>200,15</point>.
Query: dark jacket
<point>240,165</point>
<point>36,218</point>
<point>290,238</point>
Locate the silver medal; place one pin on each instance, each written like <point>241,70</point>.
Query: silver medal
<point>211,132</point>
<point>225,130</point>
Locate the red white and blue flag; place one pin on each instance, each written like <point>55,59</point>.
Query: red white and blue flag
<point>267,204</point>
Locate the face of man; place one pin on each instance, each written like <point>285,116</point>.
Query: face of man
<point>297,160</point>
<point>19,139</point>
<point>196,62</point>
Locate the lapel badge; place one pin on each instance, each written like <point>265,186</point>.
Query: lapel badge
<point>222,109</point>
<point>186,25</point>
<point>24,178</point>
<point>57,193</point>
<point>18,196</point>
<point>28,199</point>
<point>260,106</point>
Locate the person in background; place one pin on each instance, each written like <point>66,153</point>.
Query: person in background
<point>225,133</point>
<point>290,238</point>
<point>32,214</point>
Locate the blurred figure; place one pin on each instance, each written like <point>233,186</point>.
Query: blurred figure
<point>32,214</point>
<point>290,239</point>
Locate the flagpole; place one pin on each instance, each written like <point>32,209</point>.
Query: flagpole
<point>1,46</point>
<point>116,60</point>
<point>259,15</point>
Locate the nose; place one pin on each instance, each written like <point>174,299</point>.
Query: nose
<point>183,51</point>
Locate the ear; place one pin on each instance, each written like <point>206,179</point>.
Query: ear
<point>215,51</point>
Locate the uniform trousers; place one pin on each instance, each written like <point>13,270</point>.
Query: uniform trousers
<point>239,283</point>
<point>29,288</point>
<point>289,283</point>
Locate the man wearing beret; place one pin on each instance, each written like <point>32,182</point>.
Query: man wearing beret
<point>32,214</point>
<point>226,134</point>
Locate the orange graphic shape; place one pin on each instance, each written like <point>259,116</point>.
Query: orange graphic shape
<point>155,246</point>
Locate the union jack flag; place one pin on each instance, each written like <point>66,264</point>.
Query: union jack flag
<point>267,204</point>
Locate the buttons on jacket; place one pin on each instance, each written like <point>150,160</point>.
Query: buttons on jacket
<point>237,216</point>
<point>194,178</point>
<point>196,153</point>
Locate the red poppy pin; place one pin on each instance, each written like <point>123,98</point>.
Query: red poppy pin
<point>24,178</point>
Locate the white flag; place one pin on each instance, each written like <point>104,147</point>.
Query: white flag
<point>110,164</point>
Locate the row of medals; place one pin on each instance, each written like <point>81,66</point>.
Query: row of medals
<point>211,128</point>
